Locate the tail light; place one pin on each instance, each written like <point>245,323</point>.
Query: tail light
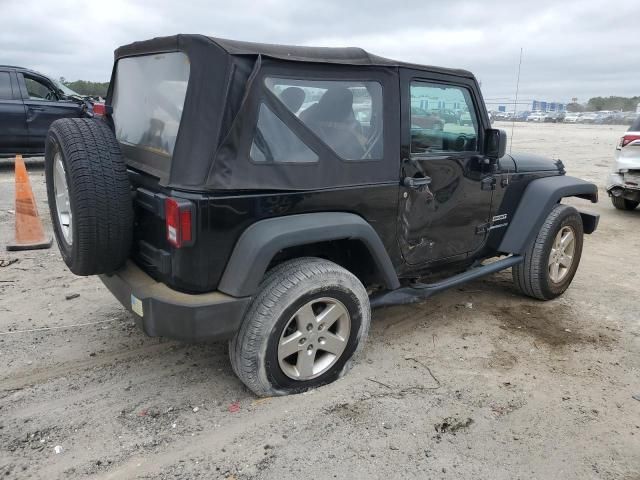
<point>180,222</point>
<point>627,139</point>
<point>99,109</point>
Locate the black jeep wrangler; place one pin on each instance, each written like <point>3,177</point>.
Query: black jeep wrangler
<point>272,195</point>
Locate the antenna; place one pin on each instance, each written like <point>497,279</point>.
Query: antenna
<point>515,102</point>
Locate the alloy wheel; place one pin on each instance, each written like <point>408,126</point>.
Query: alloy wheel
<point>63,205</point>
<point>314,338</point>
<point>562,253</point>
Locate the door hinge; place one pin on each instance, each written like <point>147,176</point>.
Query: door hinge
<point>488,183</point>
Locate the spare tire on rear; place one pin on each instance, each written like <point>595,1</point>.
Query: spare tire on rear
<point>89,195</point>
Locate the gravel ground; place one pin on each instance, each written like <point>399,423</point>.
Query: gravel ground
<point>478,382</point>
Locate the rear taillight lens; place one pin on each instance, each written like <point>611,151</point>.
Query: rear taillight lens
<point>627,139</point>
<point>99,109</point>
<point>180,222</point>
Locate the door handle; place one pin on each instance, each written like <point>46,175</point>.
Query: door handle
<point>416,182</point>
<point>36,109</point>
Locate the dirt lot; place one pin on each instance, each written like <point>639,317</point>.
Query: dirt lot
<point>478,382</point>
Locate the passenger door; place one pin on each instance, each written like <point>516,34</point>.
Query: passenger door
<point>43,107</point>
<point>14,136</point>
<point>445,200</point>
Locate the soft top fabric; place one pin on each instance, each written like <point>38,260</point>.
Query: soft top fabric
<point>223,99</point>
<point>298,53</point>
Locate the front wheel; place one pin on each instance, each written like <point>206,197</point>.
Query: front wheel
<point>551,261</point>
<point>302,329</point>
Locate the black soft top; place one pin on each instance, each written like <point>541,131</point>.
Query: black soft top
<point>221,106</point>
<point>344,55</point>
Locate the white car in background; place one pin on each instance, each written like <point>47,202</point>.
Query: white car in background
<point>588,117</point>
<point>465,119</point>
<point>623,185</point>
<point>536,117</point>
<point>572,117</point>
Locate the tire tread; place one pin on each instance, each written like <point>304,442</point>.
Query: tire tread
<point>101,195</point>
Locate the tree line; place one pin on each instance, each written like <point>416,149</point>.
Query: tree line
<point>84,87</point>
<point>626,104</point>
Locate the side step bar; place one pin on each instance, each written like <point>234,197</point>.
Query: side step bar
<point>421,291</point>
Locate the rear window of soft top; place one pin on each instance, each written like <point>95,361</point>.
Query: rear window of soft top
<point>148,99</point>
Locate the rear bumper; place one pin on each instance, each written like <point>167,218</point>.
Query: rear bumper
<point>618,185</point>
<point>163,312</point>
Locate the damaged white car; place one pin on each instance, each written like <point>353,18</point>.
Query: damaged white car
<point>623,184</point>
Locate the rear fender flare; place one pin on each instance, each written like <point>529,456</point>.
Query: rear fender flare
<point>261,241</point>
<point>538,199</point>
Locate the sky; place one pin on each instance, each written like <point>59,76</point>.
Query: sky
<point>570,48</point>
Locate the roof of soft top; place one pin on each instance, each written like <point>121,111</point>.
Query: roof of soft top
<point>343,55</point>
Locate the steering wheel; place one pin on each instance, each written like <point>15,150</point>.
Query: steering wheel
<point>50,95</point>
<point>460,142</point>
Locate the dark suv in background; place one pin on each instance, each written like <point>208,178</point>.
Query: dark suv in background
<point>29,103</point>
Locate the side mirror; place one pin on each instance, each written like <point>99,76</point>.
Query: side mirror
<point>495,144</point>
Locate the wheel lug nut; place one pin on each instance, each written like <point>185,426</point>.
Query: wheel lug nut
<point>321,340</point>
<point>302,340</point>
<point>310,348</point>
<point>309,327</point>
<point>320,327</point>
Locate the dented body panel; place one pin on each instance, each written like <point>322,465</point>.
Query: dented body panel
<point>624,180</point>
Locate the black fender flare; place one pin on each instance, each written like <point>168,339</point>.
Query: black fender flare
<point>261,241</point>
<point>538,199</point>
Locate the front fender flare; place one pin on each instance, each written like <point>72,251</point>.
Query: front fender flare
<point>538,199</point>
<point>261,241</point>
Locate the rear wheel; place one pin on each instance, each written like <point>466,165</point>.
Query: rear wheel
<point>303,328</point>
<point>624,204</point>
<point>552,260</point>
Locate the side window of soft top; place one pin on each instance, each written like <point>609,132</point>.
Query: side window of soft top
<point>274,142</point>
<point>443,119</point>
<point>345,115</point>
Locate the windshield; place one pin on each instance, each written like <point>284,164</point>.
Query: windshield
<point>66,90</point>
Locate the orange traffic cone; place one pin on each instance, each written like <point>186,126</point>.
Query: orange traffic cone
<point>29,231</point>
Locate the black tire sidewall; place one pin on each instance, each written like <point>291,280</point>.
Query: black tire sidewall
<point>52,147</point>
<point>569,217</point>
<point>274,373</point>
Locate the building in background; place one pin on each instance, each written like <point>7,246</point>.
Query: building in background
<point>548,106</point>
